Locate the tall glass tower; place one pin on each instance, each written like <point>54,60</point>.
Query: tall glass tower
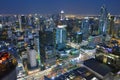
<point>62,15</point>
<point>61,36</point>
<point>103,20</point>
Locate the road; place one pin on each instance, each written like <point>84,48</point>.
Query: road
<point>40,75</point>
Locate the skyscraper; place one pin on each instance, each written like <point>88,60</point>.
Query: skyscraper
<point>62,15</point>
<point>61,36</point>
<point>116,27</point>
<point>85,28</point>
<point>78,37</point>
<point>42,42</point>
<point>103,20</point>
<point>32,58</point>
<point>111,25</point>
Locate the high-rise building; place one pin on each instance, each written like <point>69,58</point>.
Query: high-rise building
<point>94,40</point>
<point>32,58</point>
<point>116,27</point>
<point>62,15</point>
<point>79,37</point>
<point>103,21</point>
<point>85,28</point>
<point>42,42</point>
<point>61,36</point>
<point>49,38</point>
<point>20,24</point>
<point>111,25</point>
<point>22,21</point>
<point>3,35</point>
<point>37,48</point>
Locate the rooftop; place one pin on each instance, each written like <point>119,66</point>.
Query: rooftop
<point>98,67</point>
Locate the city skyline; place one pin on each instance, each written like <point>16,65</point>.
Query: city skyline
<point>84,7</point>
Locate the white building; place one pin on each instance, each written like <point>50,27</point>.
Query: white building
<point>32,58</point>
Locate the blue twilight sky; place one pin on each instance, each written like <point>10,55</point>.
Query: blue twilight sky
<point>55,6</point>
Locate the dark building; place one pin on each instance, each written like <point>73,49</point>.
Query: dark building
<point>42,42</point>
<point>49,38</point>
<point>101,70</point>
<point>111,26</point>
<point>3,35</point>
<point>109,59</point>
<point>23,19</point>
<point>77,37</point>
<point>109,56</point>
<point>94,25</point>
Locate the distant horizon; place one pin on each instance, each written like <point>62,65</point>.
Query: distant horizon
<point>83,7</point>
<point>57,13</point>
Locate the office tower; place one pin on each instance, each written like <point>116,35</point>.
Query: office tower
<point>94,40</point>
<point>3,35</point>
<point>9,32</point>
<point>103,21</point>
<point>93,22</point>
<point>116,27</point>
<point>62,15</point>
<point>23,19</point>
<point>37,47</point>
<point>85,28</point>
<point>111,25</point>
<point>32,57</point>
<point>49,38</point>
<point>30,19</point>
<point>36,23</point>
<point>42,42</point>
<point>20,24</point>
<point>79,37</point>
<point>61,36</point>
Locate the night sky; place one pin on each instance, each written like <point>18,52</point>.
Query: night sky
<point>54,6</point>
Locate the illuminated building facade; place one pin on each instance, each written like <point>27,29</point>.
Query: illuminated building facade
<point>93,40</point>
<point>32,58</point>
<point>61,36</point>
<point>109,56</point>
<point>116,27</point>
<point>103,23</point>
<point>85,28</point>
<point>111,30</point>
<point>62,15</point>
